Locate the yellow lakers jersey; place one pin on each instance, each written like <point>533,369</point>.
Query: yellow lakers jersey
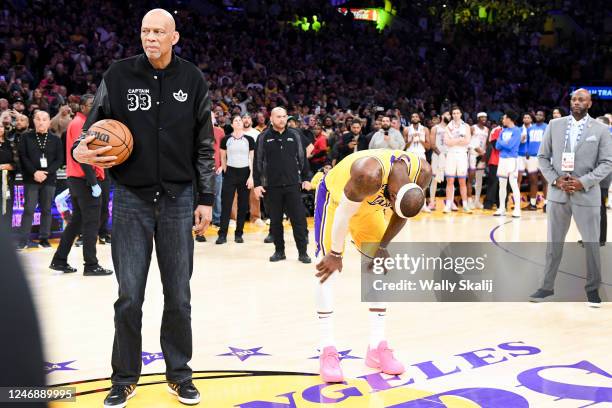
<point>337,177</point>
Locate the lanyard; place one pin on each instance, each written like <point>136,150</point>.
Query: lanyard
<point>42,146</point>
<point>568,130</point>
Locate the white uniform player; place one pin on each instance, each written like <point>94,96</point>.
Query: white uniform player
<point>438,157</point>
<point>457,139</point>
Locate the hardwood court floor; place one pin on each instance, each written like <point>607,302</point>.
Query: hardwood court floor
<point>255,332</point>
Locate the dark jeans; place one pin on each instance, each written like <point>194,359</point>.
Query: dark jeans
<point>105,198</point>
<point>289,200</point>
<point>85,218</point>
<point>234,180</point>
<point>603,223</point>
<point>492,187</point>
<point>8,216</point>
<point>136,226</point>
<point>42,195</point>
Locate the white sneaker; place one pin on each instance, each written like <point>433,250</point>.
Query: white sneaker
<point>454,206</point>
<point>470,204</point>
<point>499,213</point>
<point>447,209</point>
<point>477,205</point>
<point>516,213</point>
<point>426,209</point>
<point>467,209</point>
<point>259,222</point>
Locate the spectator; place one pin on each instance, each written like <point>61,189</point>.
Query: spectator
<point>387,137</point>
<point>237,152</point>
<point>319,153</point>
<point>40,155</point>
<point>60,122</point>
<point>9,160</point>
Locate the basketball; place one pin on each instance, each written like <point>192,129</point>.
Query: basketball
<point>109,132</point>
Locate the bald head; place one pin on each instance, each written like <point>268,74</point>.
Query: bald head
<point>162,16</point>
<point>278,118</point>
<point>158,35</point>
<point>580,103</point>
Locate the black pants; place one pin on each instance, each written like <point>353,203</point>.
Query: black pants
<point>289,200</point>
<point>105,198</point>
<point>85,218</point>
<point>234,180</point>
<point>8,216</point>
<point>41,195</point>
<point>492,187</point>
<point>603,223</point>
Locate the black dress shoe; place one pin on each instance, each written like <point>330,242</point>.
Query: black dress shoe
<point>277,256</point>
<point>21,245</point>
<point>186,392</point>
<point>304,258</point>
<point>62,267</point>
<point>44,243</point>
<point>200,238</point>
<point>239,240</point>
<point>593,298</point>
<point>540,294</point>
<point>221,240</point>
<point>269,239</point>
<point>118,395</point>
<point>96,271</point>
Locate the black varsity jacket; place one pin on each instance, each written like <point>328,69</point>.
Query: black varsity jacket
<point>168,113</point>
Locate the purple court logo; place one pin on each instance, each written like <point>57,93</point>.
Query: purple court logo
<point>561,382</point>
<point>243,354</point>
<point>343,355</point>
<point>148,358</point>
<point>51,367</point>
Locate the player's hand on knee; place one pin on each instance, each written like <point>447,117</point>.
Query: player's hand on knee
<point>380,253</point>
<point>328,265</point>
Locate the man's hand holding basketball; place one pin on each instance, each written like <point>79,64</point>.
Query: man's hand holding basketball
<point>328,265</point>
<point>83,154</point>
<point>203,217</point>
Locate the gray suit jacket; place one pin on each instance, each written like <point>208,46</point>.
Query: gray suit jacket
<point>592,162</point>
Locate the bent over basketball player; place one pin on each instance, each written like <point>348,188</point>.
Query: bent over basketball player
<point>352,197</point>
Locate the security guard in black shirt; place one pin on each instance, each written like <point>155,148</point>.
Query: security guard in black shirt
<point>281,171</point>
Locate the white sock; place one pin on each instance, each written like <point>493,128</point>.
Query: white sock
<point>532,201</point>
<point>503,184</point>
<point>326,330</point>
<point>478,187</point>
<point>516,193</point>
<point>377,328</point>
<point>432,190</point>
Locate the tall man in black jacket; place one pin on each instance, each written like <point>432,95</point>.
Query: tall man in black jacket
<point>41,155</point>
<point>165,102</point>
<point>281,171</point>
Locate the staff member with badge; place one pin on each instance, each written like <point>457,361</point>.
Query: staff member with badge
<point>41,155</point>
<point>575,155</point>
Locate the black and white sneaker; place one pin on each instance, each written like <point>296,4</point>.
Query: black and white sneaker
<point>186,392</point>
<point>118,396</point>
<point>593,299</point>
<point>540,295</point>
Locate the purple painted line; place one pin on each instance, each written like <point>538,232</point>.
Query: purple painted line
<point>497,244</point>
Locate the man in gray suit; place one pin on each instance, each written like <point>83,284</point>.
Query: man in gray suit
<point>574,157</point>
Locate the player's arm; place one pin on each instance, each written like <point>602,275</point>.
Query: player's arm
<point>365,180</point>
<point>432,139</point>
<point>465,141</point>
<point>427,141</point>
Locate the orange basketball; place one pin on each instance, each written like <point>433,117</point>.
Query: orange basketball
<point>109,132</point>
